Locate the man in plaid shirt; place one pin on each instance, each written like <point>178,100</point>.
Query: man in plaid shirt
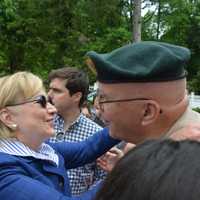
<point>68,91</point>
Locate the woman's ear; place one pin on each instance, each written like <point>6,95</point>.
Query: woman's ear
<point>6,119</point>
<point>152,111</point>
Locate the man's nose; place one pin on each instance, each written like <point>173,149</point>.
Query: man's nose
<point>49,93</point>
<point>51,108</point>
<point>50,96</point>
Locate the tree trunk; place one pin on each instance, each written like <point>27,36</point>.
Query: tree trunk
<point>158,20</point>
<point>137,21</point>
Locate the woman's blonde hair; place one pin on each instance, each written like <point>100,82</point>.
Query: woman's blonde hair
<point>14,89</point>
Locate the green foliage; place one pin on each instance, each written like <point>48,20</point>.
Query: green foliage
<point>39,35</point>
<point>197,109</point>
<point>179,23</point>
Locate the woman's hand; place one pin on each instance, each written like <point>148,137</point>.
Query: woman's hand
<point>190,132</point>
<point>110,158</point>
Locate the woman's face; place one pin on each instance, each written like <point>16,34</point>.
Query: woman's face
<point>34,119</point>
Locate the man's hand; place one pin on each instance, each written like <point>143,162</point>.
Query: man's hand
<point>190,132</point>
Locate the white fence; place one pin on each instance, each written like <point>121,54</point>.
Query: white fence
<point>194,101</point>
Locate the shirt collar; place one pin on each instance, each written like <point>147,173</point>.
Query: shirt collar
<point>59,120</point>
<point>14,147</point>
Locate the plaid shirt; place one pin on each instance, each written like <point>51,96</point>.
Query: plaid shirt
<point>83,177</point>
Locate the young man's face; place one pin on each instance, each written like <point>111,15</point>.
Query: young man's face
<point>60,95</point>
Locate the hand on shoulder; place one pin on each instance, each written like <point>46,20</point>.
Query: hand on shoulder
<point>190,131</point>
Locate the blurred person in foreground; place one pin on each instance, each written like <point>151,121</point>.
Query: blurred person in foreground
<point>156,170</point>
<point>30,168</point>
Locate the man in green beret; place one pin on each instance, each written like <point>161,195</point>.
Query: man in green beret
<point>142,91</point>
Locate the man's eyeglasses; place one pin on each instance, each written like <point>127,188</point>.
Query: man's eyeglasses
<point>122,100</point>
<point>102,102</point>
<point>41,99</point>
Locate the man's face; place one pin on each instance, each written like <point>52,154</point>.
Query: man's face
<point>123,117</point>
<point>60,96</point>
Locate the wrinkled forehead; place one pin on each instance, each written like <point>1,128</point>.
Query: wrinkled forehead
<point>116,89</point>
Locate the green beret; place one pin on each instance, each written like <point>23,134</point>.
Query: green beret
<point>147,61</point>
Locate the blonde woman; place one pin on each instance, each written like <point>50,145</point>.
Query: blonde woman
<point>31,169</point>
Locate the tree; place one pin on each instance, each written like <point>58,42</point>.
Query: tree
<point>137,20</point>
<point>41,35</point>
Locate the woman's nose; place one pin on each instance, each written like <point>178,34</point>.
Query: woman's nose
<point>51,108</point>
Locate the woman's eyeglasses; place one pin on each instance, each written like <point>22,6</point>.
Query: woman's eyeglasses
<point>41,99</point>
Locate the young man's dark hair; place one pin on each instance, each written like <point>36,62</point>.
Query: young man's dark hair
<point>76,81</point>
<point>156,170</point>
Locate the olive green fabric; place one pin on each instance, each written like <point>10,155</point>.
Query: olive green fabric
<point>141,62</point>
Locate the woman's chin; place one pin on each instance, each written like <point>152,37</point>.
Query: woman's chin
<point>49,132</point>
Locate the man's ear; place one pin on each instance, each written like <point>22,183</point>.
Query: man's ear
<point>77,96</point>
<point>151,112</point>
<point>6,118</point>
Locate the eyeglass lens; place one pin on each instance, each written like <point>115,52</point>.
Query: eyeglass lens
<point>42,101</point>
